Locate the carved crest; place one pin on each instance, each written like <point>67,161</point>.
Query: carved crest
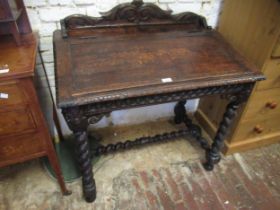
<point>135,13</point>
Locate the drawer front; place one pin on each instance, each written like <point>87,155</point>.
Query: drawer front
<point>16,148</point>
<point>12,94</point>
<point>263,104</point>
<point>272,73</point>
<point>16,121</point>
<point>257,128</point>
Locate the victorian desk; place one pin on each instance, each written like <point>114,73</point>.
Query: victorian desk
<point>139,55</point>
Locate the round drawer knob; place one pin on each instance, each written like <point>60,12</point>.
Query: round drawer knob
<point>271,105</point>
<point>258,129</point>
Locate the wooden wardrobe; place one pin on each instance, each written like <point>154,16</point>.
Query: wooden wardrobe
<point>252,27</point>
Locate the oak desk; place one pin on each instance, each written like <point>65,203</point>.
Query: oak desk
<point>139,55</point>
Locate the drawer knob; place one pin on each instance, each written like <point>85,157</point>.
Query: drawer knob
<point>258,129</point>
<point>271,105</point>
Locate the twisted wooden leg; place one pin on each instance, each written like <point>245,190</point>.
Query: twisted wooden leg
<point>84,159</point>
<point>213,154</point>
<point>78,123</point>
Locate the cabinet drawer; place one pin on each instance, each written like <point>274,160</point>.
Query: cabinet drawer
<point>13,149</point>
<point>263,104</point>
<point>14,94</point>
<point>16,121</point>
<point>257,128</point>
<point>272,73</point>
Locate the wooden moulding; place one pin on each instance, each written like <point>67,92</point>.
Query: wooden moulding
<point>136,13</point>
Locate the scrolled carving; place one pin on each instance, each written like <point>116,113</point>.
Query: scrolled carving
<point>135,13</point>
<point>77,119</point>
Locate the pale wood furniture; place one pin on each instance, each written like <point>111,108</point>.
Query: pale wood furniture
<point>139,55</point>
<point>253,28</point>
<point>23,131</point>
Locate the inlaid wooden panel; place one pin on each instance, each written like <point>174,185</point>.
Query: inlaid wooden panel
<point>16,121</point>
<point>272,72</point>
<point>15,93</point>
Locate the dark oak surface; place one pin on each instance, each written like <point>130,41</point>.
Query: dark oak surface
<point>104,67</point>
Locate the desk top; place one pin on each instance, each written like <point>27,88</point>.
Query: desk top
<point>105,67</point>
<point>20,59</point>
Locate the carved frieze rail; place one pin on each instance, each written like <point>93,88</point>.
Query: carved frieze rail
<point>100,107</point>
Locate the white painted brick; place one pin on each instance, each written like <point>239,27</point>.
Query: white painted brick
<point>49,68</point>
<point>46,43</point>
<point>105,5</point>
<point>163,6</point>
<point>47,56</point>
<point>57,13</point>
<point>124,1</point>
<point>61,2</point>
<point>92,11</point>
<point>83,2</point>
<point>188,1</point>
<point>35,3</point>
<point>166,1</point>
<point>212,20</point>
<point>185,7</point>
<point>47,29</point>
<point>34,19</point>
<point>151,1</point>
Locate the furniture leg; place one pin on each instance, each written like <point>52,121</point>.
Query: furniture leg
<point>180,112</point>
<point>213,155</point>
<point>195,130</point>
<point>84,160</point>
<point>55,165</point>
<point>78,123</point>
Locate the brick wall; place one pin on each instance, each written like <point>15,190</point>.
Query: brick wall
<point>44,16</point>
